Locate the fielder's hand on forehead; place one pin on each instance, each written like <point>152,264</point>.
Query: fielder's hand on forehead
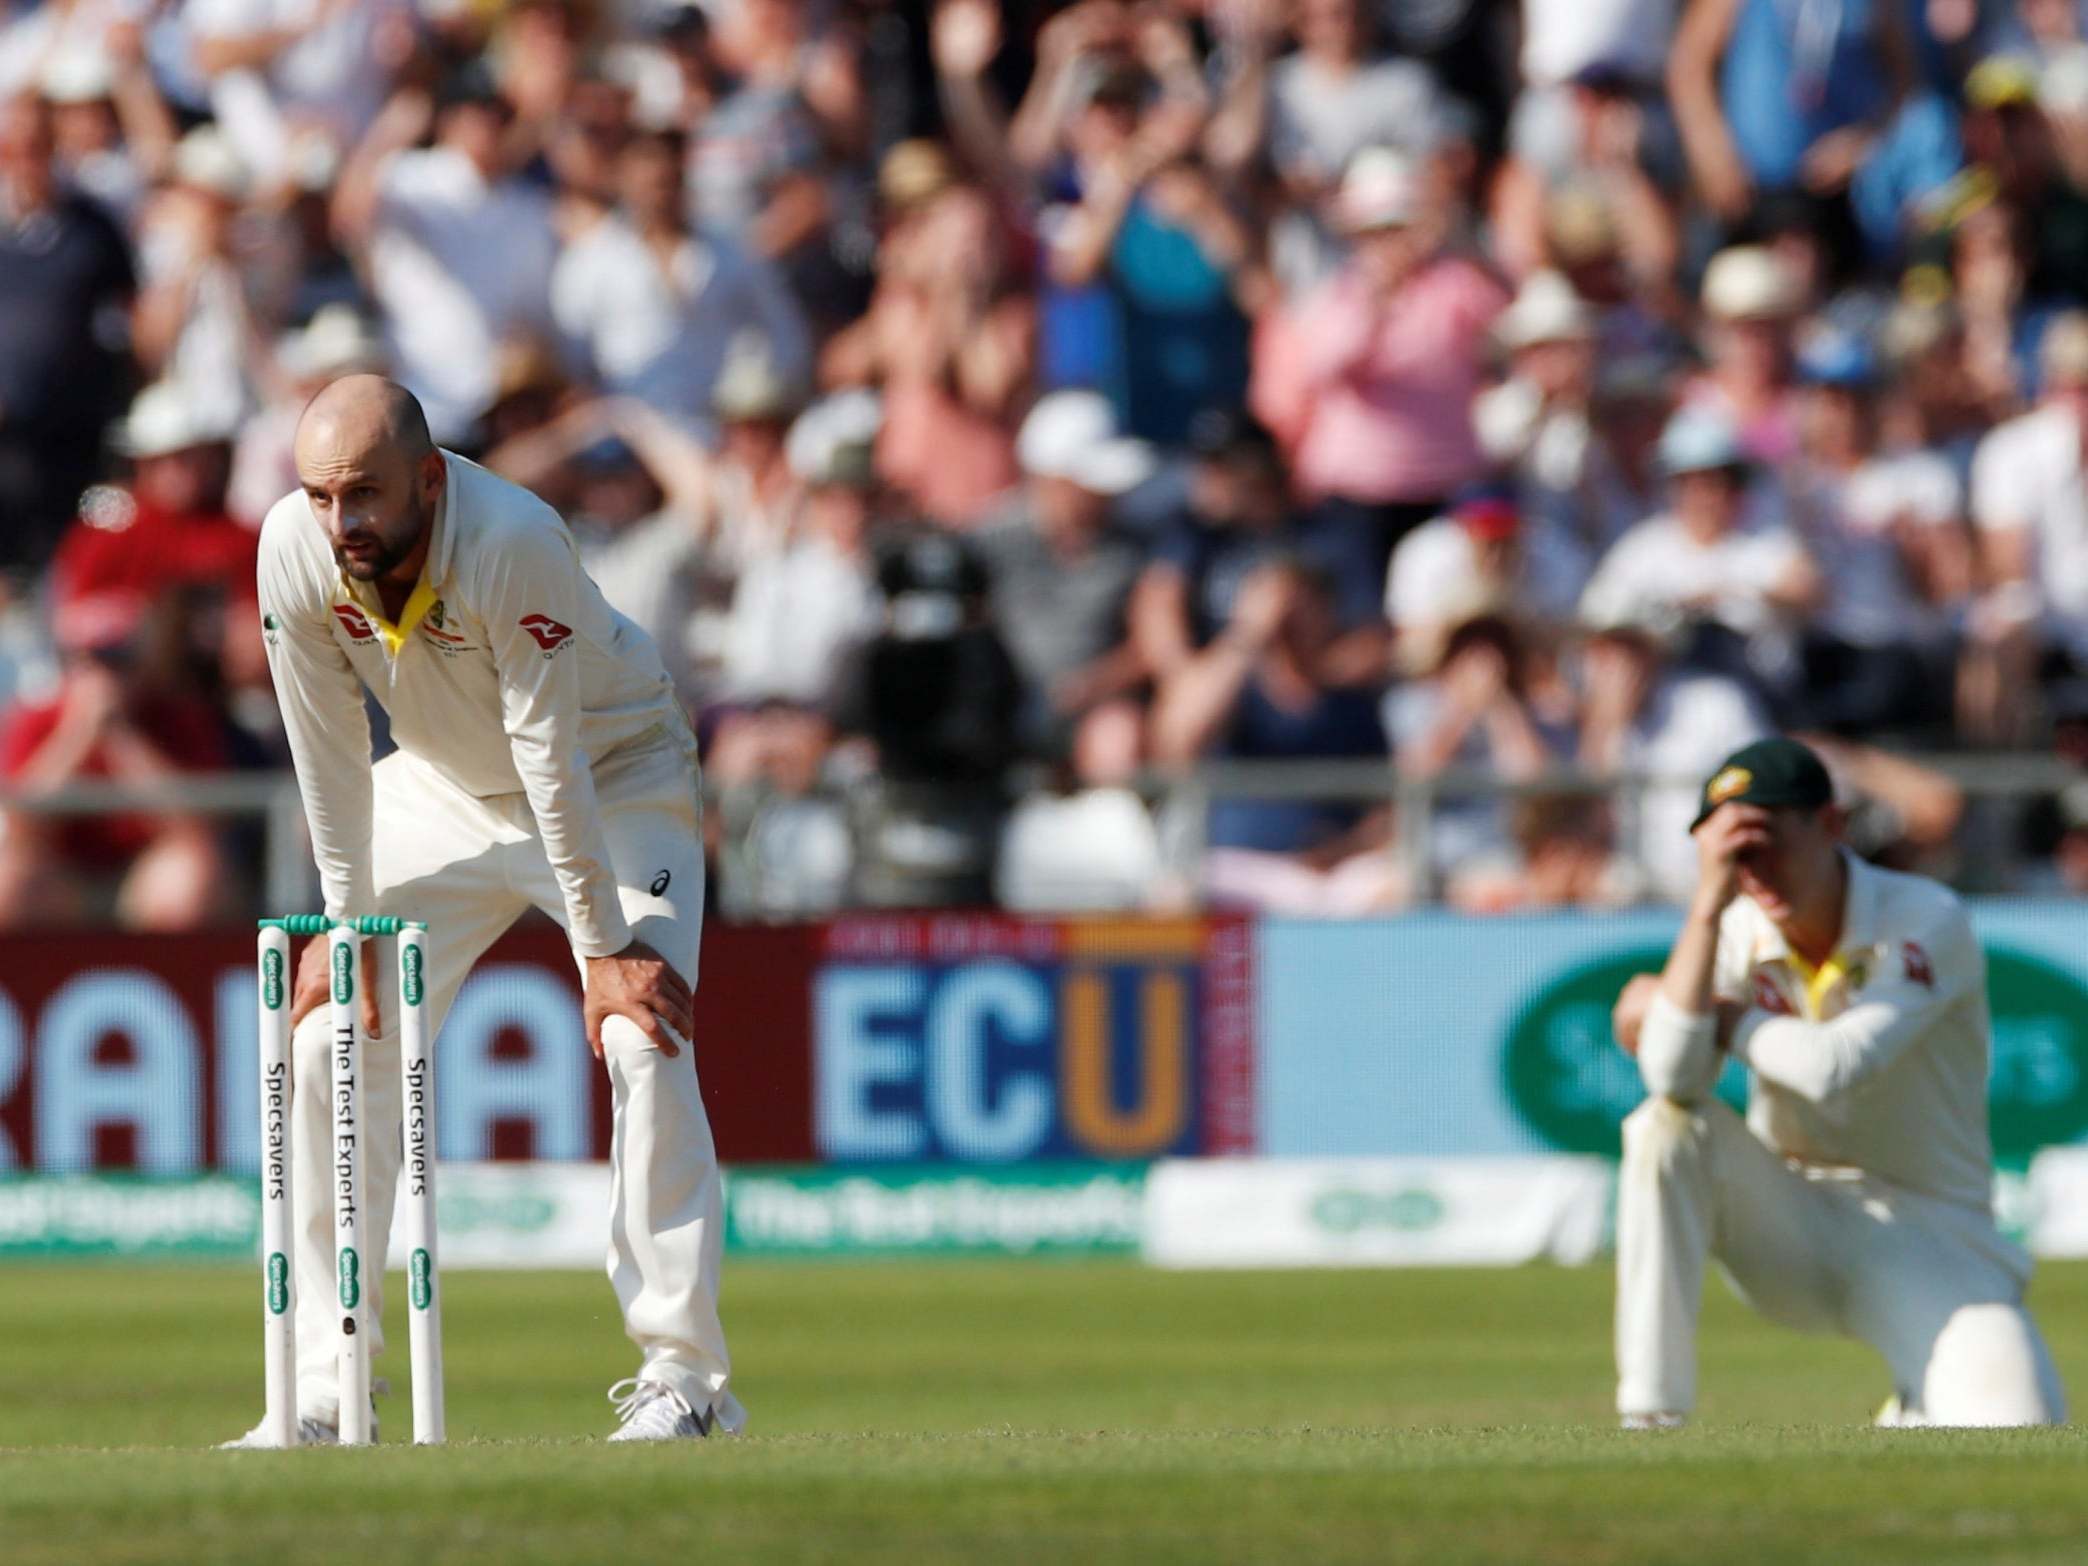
<point>1729,833</point>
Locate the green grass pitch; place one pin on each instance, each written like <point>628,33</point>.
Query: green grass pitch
<point>1010,1412</point>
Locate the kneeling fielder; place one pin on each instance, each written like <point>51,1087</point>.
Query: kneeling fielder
<point>1856,1197</point>
<point>542,760</point>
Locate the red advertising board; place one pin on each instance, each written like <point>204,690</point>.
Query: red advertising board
<point>136,1052</point>
<point>982,1039</point>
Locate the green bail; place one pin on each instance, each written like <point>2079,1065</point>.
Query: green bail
<point>362,924</point>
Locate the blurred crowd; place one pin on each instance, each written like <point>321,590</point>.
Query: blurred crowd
<point>991,408</point>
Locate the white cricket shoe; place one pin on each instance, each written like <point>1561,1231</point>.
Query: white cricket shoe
<point>654,1411</point>
<point>309,1433</point>
<point>1657,1419</point>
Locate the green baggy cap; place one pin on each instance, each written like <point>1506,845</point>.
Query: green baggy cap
<point>1769,773</point>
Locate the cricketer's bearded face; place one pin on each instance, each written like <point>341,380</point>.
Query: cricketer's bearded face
<point>375,505</point>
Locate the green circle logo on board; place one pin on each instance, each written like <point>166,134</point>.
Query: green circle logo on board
<point>1563,1072</point>
<point>2039,1088</point>
<point>1572,1086</point>
<point>1346,1211</point>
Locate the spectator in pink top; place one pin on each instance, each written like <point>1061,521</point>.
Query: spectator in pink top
<point>1751,301</point>
<point>1371,376</point>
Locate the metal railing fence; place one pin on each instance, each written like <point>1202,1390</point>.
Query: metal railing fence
<point>287,879</point>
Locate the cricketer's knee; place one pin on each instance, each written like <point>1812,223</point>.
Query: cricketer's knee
<point>1661,1135</point>
<point>636,1062</point>
<point>1989,1367</point>
<point>658,1105</point>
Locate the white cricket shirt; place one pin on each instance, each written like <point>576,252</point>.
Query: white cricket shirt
<point>507,672</point>
<point>1874,1062</point>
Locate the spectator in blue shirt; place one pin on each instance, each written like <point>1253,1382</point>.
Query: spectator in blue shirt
<point>1263,689</point>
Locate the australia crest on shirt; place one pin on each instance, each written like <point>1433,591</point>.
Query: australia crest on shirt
<point>437,632</point>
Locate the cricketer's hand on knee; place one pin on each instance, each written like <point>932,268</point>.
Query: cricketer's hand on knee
<point>309,994</point>
<point>638,983</point>
<point>1629,1015</point>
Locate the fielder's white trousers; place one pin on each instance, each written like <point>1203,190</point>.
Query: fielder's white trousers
<point>470,867</point>
<point>1932,1286</point>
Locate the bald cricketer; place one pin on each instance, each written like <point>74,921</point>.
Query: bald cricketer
<point>543,762</point>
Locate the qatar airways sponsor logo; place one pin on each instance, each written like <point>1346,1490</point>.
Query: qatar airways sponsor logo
<point>355,623</point>
<point>548,633</point>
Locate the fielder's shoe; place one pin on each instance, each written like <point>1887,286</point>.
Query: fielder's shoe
<point>1658,1419</point>
<point>309,1433</point>
<point>1895,1415</point>
<point>654,1411</point>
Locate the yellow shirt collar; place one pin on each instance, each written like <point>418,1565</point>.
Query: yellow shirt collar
<point>423,597</point>
<point>1818,981</point>
<point>418,603</point>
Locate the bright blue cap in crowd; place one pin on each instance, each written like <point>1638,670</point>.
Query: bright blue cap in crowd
<point>1839,359</point>
<point>1698,440</point>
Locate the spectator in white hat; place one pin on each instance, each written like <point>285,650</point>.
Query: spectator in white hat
<point>801,614</point>
<point>337,341</point>
<point>1061,576</point>
<point>123,711</point>
<point>1371,376</point>
<point>30,36</point>
<point>1539,423</point>
<point>111,128</point>
<point>802,610</point>
<point>1718,572</point>
<point>142,576</point>
<point>164,534</point>
<point>167,525</point>
<point>1751,301</point>
<point>195,323</point>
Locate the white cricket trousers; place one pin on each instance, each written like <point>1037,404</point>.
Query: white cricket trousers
<point>1933,1287</point>
<point>470,867</point>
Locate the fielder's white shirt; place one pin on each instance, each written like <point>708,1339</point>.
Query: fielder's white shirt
<point>1875,1062</point>
<point>507,672</point>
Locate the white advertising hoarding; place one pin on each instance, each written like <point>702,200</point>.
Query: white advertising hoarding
<point>1376,1212</point>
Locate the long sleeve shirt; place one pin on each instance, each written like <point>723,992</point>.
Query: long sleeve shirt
<point>1876,1061</point>
<point>1384,390</point>
<point>507,673</point>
